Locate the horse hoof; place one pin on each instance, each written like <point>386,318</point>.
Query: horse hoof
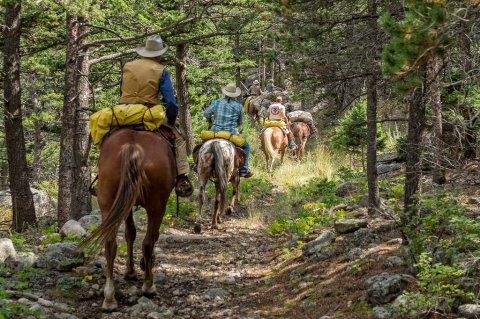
<point>130,276</point>
<point>150,291</point>
<point>197,229</point>
<point>109,306</point>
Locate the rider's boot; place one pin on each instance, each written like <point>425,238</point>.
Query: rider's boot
<point>183,186</point>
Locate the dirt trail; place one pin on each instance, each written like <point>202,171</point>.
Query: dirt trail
<point>211,275</point>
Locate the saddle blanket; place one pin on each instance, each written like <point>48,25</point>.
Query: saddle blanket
<point>106,119</point>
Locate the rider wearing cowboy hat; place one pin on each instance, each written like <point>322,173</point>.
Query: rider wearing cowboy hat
<point>226,114</point>
<point>276,112</point>
<point>255,88</point>
<point>146,81</point>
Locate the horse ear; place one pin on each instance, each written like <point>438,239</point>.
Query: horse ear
<point>240,157</point>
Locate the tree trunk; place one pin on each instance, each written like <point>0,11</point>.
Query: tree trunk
<point>433,78</point>
<point>37,127</point>
<point>81,201</point>
<point>372,175</point>
<point>67,162</point>
<point>468,111</point>
<point>416,121</point>
<point>22,198</point>
<point>182,92</point>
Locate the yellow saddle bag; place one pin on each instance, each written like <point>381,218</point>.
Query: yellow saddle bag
<point>104,120</point>
<point>235,139</point>
<point>268,123</point>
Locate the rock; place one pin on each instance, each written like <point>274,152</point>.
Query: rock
<point>6,249</point>
<point>159,278</point>
<point>72,227</point>
<point>394,261</point>
<point>144,305</point>
<point>324,239</point>
<point>470,311</point>
<point>43,205</point>
<point>469,284</point>
<point>155,315</point>
<point>387,168</point>
<point>360,238</point>
<point>388,157</point>
<point>471,264</point>
<point>21,260</point>
<point>381,313</point>
<point>64,316</point>
<point>474,201</point>
<point>134,291</point>
<point>324,253</point>
<point>395,241</point>
<point>345,189</point>
<point>385,287</point>
<point>44,302</point>
<point>354,254</point>
<point>212,293</point>
<point>349,225</point>
<point>89,222</point>
<point>61,256</point>
<point>325,317</point>
<point>293,242</point>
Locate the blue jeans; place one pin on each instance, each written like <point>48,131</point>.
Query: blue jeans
<point>246,148</point>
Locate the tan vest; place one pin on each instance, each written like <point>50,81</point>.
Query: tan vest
<point>141,81</point>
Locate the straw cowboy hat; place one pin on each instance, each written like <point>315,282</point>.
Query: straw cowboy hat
<point>256,82</point>
<point>153,48</point>
<point>231,90</point>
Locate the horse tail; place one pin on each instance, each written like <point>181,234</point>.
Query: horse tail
<point>219,164</point>
<point>268,135</point>
<point>132,177</point>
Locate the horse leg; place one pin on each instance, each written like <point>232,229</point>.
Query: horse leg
<point>109,303</point>
<point>216,212</point>
<point>155,215</point>
<point>130,235</point>
<point>235,194</point>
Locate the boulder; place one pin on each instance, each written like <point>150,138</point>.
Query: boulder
<point>72,227</point>
<point>385,287</point>
<point>387,168</point>
<point>21,260</point>
<point>381,313</point>
<point>388,158</point>
<point>360,238</point>
<point>345,189</point>
<point>349,225</point>
<point>88,222</point>
<point>325,239</point>
<point>43,205</point>
<point>394,261</point>
<point>6,249</point>
<point>470,311</point>
<point>61,256</point>
<point>213,293</point>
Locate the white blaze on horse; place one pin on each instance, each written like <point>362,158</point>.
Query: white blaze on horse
<point>274,145</point>
<point>219,160</point>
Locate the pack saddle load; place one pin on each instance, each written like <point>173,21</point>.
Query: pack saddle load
<point>122,115</point>
<point>237,140</point>
<point>300,116</point>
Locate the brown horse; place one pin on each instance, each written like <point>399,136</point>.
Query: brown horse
<point>250,109</point>
<point>134,168</point>
<point>301,132</point>
<point>219,160</point>
<point>274,144</point>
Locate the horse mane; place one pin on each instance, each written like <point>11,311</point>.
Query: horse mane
<point>132,177</point>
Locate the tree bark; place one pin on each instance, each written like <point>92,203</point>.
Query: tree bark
<point>468,111</point>
<point>372,175</point>
<point>416,121</point>
<point>22,198</point>
<point>182,93</point>
<point>37,127</point>
<point>67,162</point>
<point>434,89</point>
<point>236,53</point>
<point>81,201</point>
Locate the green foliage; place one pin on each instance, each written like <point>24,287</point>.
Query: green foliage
<point>414,40</point>
<point>351,135</point>
<point>10,309</point>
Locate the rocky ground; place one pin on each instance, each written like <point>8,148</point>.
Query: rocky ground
<point>352,268</point>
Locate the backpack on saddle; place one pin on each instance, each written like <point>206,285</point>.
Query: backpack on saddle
<point>125,115</point>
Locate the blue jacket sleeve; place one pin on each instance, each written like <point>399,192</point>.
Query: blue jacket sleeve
<point>166,88</point>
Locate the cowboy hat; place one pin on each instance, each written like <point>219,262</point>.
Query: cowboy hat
<point>255,82</point>
<point>154,47</point>
<point>231,90</point>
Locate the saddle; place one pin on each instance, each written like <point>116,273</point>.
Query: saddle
<point>240,155</point>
